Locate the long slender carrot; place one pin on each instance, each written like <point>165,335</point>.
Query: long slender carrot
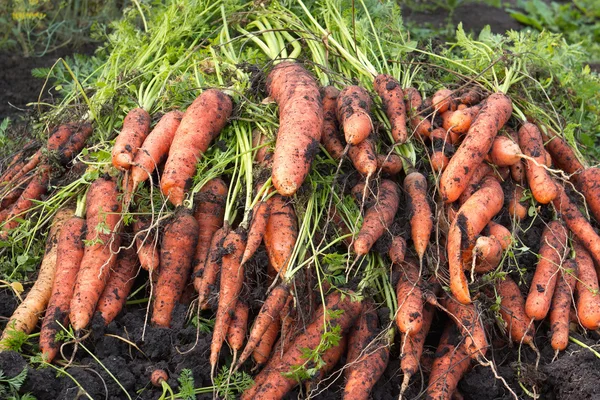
<point>413,347</point>
<point>552,253</point>
<point>330,136</point>
<point>378,218</point>
<point>564,295</point>
<point>281,233</point>
<point>409,316</point>
<point>563,155</point>
<point>494,114</point>
<point>26,315</point>
<point>207,282</point>
<point>589,184</point>
<point>392,98</point>
<point>300,124</point>
<point>542,186</point>
<point>202,122</point>
<point>468,321</point>
<point>353,108</point>
<point>236,334</point>
<point>421,218</point>
<point>263,349</point>
<point>99,257</point>
<point>588,290</point>
<point>512,310</point>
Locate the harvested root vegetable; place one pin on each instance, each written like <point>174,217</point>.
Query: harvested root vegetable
<point>136,126</point>
<point>442,100</point>
<point>330,137</point>
<point>353,108</point>
<point>481,172</point>
<point>563,155</point>
<point>397,250</point>
<point>364,157</point>
<point>409,316</point>
<point>512,309</point>
<point>589,184</point>
<point>267,342</point>
<point>391,164</point>
<point>505,152</point>
<point>412,347</point>
<point>392,98</point>
<point>542,186</point>
<point>300,124</point>
<point>468,320</point>
<point>206,284</point>
<point>158,377</point>
<point>516,207</point>
<point>421,218</point>
<point>564,295</point>
<point>414,102</point>
<point>588,290</point>
<point>281,233</point>
<point>146,244</point>
<point>487,254</point>
<point>260,218</point>
<point>236,334</point>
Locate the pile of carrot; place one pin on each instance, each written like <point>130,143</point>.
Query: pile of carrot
<point>483,172</point>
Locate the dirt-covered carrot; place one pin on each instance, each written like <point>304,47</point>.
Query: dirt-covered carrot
<point>232,279</point>
<point>118,286</point>
<point>542,186</point>
<point>471,218</point>
<point>480,172</point>
<point>236,334</point>
<point>442,100</point>
<point>367,357</point>
<point>459,121</point>
<point>158,376</point>
<point>397,250</point>
<point>136,126</point>
<point>99,257</point>
<point>564,295</point>
<point>516,207</point>
<point>487,254</point>
<point>258,226</point>
<point>588,290</point>
<point>469,323</point>
<point>353,108</point>
<point>391,164</point>
<point>207,282</point>
<point>589,184</point>
<point>176,255</point>
<point>210,211</point>
<point>330,359</point>
<point>155,148</point>
<point>501,233</point>
<point>421,218</point>
<point>265,345</point>
<point>512,310</point>
<point>26,315</point>
<point>281,233</point>
<point>268,314</point>
<point>409,316</point>
<point>300,124</point>
<point>146,243</point>
<point>414,104</point>
<point>413,347</point>
<point>517,172</point>
<point>364,157</point>
<point>66,151</point>
<point>494,114</point>
<point>563,155</point>
<point>553,251</point>
<point>505,152</point>
<point>12,196</point>
<point>471,96</point>
<point>378,218</point>
<point>330,137</point>
<point>392,98</point>
<point>450,364</point>
<point>202,122</point>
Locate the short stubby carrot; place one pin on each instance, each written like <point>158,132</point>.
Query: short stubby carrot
<point>202,122</point>
<point>146,243</point>
<point>353,108</point>
<point>136,126</point>
<point>542,186</point>
<point>330,137</point>
<point>553,251</point>
<point>494,114</point>
<point>442,100</point>
<point>471,96</point>
<point>409,316</point>
<point>364,157</point>
<point>397,250</point>
<point>414,102</point>
<point>458,122</point>
<point>512,310</point>
<point>264,154</point>
<point>501,233</point>
<point>588,290</point>
<point>564,295</point>
<point>378,217</point>
<point>390,164</point>
<point>421,217</point>
<point>99,258</point>
<point>487,254</point>
<point>505,152</point>
<point>392,98</point>
<point>281,233</point>
<point>176,254</point>
<point>118,286</point>
<point>300,124</point>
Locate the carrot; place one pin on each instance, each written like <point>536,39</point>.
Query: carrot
<point>158,377</point>
<point>459,121</point>
<point>206,283</point>
<point>14,166</point>
<point>588,291</point>
<point>353,108</point>
<point>264,347</point>
<point>578,224</point>
<point>236,334</point>
<point>136,126</point>
<point>413,347</point>
<point>409,316</point>
<point>389,163</point>
<point>363,157</point>
<point>367,357</point>
<point>469,324</point>
<point>512,310</point>
<point>99,258</point>
<point>288,323</point>
<point>505,152</point>
<point>589,184</point>
<point>378,217</point>
<point>397,250</point>
<point>481,171</point>
<point>477,143</point>
<point>414,103</point>
<point>487,254</point>
<point>501,233</point>
<point>176,254</point>
<point>201,123</point>
<point>66,151</point>
<point>271,383</point>
<point>438,160</point>
<point>561,305</point>
<point>421,218</point>
<point>516,208</point>
<point>441,149</point>
<point>26,315</point>
<point>330,136</point>
<point>281,233</point>
<point>256,232</point>
<point>442,100</point>
<point>155,148</point>
<point>359,193</point>
<point>563,155</point>
<point>118,286</point>
<point>450,364</point>
<point>392,99</point>
<point>517,172</point>
<point>232,279</point>
<point>330,358</point>
<point>471,96</point>
<point>268,314</point>
<point>542,186</point>
<point>471,218</point>
<point>553,251</point>
<point>264,154</point>
<point>210,211</point>
<point>146,244</point>
<point>300,124</point>
<point>12,196</point>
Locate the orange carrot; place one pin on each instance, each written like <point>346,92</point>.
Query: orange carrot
<point>389,163</point>
<point>459,121</point>
<point>392,99</point>
<point>421,218</point>
<point>542,186</point>
<point>561,305</point>
<point>517,172</point>
<point>487,254</point>
<point>256,232</point>
<point>236,334</point>
<point>588,291</point>
<point>135,129</point>
<point>468,321</point>
<point>264,154</point>
<point>99,257</point>
<point>118,286</point>
<point>206,283</point>
<point>553,251</point>
<point>353,108</point>
<point>502,234</point>
<point>439,161</point>
<point>442,100</point>
<point>330,136</point>
<point>479,139</point>
<point>363,157</point>
<point>480,172</point>
<point>67,150</point>
<point>202,122</point>
<point>264,347</point>
<point>378,218</point>
<point>409,316</point>
<point>512,310</point>
<point>281,233</point>
<point>413,347</point>
<point>414,104</point>
<point>300,124</point>
<point>146,244</point>
<point>589,184</point>
<point>563,155</point>
<point>158,377</point>
<point>471,96</point>
<point>505,152</point>
<point>330,359</point>
<point>397,250</point>
<point>176,254</point>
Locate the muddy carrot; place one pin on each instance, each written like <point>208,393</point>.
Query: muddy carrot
<point>389,163</point>
<point>413,347</point>
<point>469,323</point>
<point>207,282</point>
<point>330,137</point>
<point>512,310</point>
<point>421,218</point>
<point>542,186</point>
<point>135,129</point>
<point>561,305</point>
<point>409,317</point>
<point>236,334</point>
<point>146,244</point>
<point>392,98</point>
<point>281,233</point>
<point>364,157</point>
<point>397,250</point>
<point>588,291</point>
<point>264,347</point>
<point>414,104</point>
<point>353,108</point>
